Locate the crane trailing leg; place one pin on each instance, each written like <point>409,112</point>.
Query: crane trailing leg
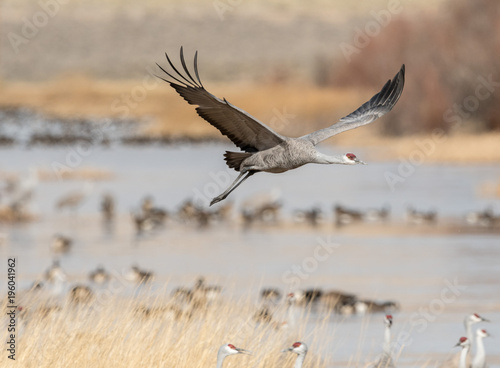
<point>233,186</point>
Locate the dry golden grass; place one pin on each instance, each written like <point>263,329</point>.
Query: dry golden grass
<point>80,96</point>
<point>83,173</point>
<point>113,332</point>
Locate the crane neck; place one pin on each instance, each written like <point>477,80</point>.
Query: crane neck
<point>480,353</point>
<point>468,329</point>
<point>387,339</point>
<point>463,357</point>
<point>220,359</point>
<point>300,360</point>
<point>321,158</point>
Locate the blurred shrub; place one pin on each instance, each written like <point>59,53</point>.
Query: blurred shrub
<point>446,54</point>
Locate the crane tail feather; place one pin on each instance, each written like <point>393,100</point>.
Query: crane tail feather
<point>234,159</point>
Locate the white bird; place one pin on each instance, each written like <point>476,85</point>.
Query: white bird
<point>465,344</point>
<point>385,359</point>
<point>226,350</point>
<point>469,321</point>
<point>300,349</point>
<point>479,360</point>
<point>264,149</point>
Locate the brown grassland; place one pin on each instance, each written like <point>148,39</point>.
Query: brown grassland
<point>124,332</point>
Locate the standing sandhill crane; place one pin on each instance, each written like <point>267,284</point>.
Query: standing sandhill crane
<point>479,360</point>
<point>264,149</point>
<point>139,276</point>
<point>99,275</point>
<point>464,342</point>
<point>75,199</point>
<point>385,360</point>
<point>469,321</point>
<point>55,273</point>
<point>61,243</point>
<point>108,207</point>
<point>226,350</point>
<point>300,349</point>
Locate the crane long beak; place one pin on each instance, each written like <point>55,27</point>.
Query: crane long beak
<point>286,350</point>
<point>485,320</point>
<point>359,161</point>
<point>243,351</point>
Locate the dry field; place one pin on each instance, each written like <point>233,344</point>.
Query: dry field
<point>151,332</point>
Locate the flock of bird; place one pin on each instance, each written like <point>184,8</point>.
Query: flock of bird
<point>273,307</point>
<point>263,150</point>
<point>186,301</point>
<point>261,209</point>
<point>386,358</point>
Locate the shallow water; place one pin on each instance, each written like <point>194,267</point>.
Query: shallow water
<point>397,261</point>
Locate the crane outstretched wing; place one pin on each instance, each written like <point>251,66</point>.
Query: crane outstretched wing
<point>377,106</point>
<point>241,128</point>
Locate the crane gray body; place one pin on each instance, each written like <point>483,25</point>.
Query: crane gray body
<point>263,149</point>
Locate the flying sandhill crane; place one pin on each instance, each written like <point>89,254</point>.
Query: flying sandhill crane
<point>226,350</point>
<point>300,349</point>
<point>385,360</point>
<point>479,360</point>
<point>465,344</point>
<point>264,149</point>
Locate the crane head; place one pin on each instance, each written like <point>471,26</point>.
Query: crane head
<point>475,318</point>
<point>463,342</point>
<point>351,159</point>
<point>482,333</point>
<point>298,348</point>
<point>230,349</point>
<point>388,320</point>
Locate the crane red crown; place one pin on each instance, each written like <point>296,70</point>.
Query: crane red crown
<point>350,156</point>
